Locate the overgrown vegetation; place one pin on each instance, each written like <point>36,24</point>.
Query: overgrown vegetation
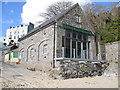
<point>105,21</point>
<point>111,31</point>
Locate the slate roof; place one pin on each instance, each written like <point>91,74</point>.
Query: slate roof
<point>52,20</point>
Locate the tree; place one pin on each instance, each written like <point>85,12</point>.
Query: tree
<point>55,9</point>
<point>101,18</point>
<point>11,43</point>
<point>111,32</point>
<point>93,8</point>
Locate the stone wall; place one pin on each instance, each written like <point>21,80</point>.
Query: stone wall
<point>112,55</point>
<point>69,19</point>
<point>46,36</point>
<point>31,49</point>
<point>78,69</point>
<point>112,50</point>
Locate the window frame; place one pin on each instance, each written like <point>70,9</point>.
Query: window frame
<point>78,18</point>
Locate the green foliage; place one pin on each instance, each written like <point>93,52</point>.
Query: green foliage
<point>111,31</point>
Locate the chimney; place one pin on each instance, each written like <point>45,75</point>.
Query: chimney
<point>30,27</point>
<point>10,27</point>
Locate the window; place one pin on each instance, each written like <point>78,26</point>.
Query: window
<point>67,48</point>
<point>79,49</point>
<point>85,38</point>
<point>23,35</point>
<point>74,35</point>
<point>84,50</point>
<point>10,33</point>
<point>62,41</point>
<point>32,52</point>
<point>10,37</point>
<point>76,46</point>
<point>45,49</point>
<point>77,18</point>
<point>80,36</point>
<point>15,32</point>
<point>14,37</point>
<point>67,34</point>
<point>22,54</point>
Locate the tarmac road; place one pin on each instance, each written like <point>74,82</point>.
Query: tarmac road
<point>13,76</point>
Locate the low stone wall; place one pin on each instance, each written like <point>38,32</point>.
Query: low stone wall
<point>78,69</point>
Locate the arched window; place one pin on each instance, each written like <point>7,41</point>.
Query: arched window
<point>45,49</point>
<point>22,54</point>
<point>32,51</point>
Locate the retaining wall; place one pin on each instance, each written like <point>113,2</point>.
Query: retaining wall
<point>78,69</point>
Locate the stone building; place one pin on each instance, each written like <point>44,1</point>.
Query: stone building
<point>67,35</point>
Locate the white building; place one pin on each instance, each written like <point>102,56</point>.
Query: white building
<point>2,41</point>
<point>14,33</point>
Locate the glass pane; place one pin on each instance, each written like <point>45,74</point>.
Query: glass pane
<point>79,49</point>
<point>85,37</point>
<point>67,42</point>
<point>79,36</point>
<point>67,34</point>
<point>67,48</point>
<point>45,49</point>
<point>74,35</point>
<point>67,53</point>
<point>84,50</point>
<point>62,41</point>
<point>84,45</point>
<point>73,49</point>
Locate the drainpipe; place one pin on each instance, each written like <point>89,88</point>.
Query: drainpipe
<point>54,48</point>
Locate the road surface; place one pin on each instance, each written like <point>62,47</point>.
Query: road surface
<point>15,76</point>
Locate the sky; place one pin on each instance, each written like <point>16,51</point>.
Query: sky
<point>11,15</point>
<point>16,13</point>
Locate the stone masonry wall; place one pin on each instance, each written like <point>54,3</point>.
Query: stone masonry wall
<point>78,69</point>
<point>112,51</point>
<point>38,59</point>
<point>112,55</point>
<point>69,19</point>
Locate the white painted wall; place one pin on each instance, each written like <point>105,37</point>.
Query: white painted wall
<point>15,32</point>
<point>2,40</point>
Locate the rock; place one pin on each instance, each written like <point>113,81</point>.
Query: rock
<point>76,69</point>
